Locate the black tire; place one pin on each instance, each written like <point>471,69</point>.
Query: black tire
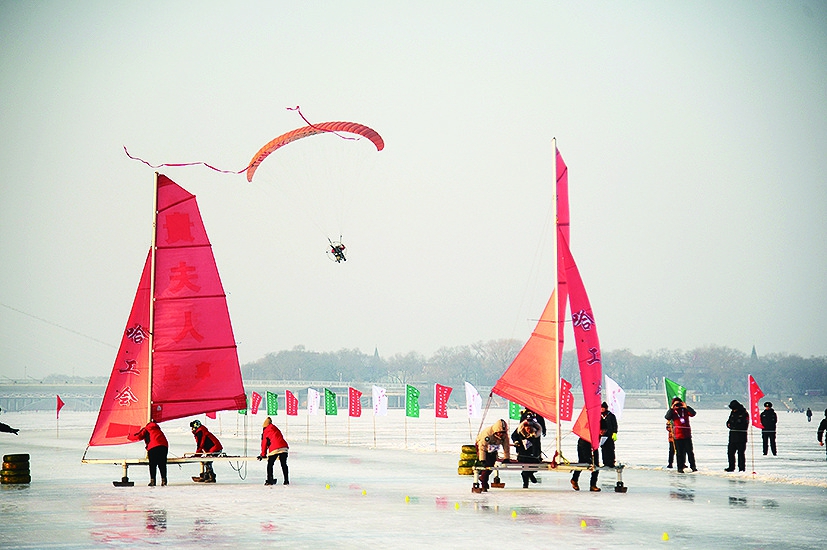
<point>16,458</point>
<point>15,479</point>
<point>16,465</point>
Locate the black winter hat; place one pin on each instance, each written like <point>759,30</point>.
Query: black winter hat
<point>734,404</point>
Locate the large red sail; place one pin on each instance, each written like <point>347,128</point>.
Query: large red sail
<point>586,341</point>
<point>563,228</point>
<point>124,408</point>
<point>531,379</point>
<point>194,366</point>
<point>195,363</point>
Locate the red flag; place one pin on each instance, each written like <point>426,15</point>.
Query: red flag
<point>354,401</point>
<point>256,403</point>
<point>441,395</point>
<point>566,400</point>
<point>292,403</point>
<point>755,395</point>
<point>211,415</point>
<point>60,404</point>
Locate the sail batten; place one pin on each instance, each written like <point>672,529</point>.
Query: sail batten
<point>178,347</point>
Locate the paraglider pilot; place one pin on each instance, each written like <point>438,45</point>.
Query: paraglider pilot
<point>338,252</point>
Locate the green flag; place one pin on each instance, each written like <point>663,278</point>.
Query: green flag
<point>411,402</point>
<point>330,403</point>
<point>513,410</point>
<point>244,410</point>
<point>673,389</point>
<point>272,403</point>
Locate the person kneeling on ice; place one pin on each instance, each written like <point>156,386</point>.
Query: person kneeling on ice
<point>7,428</point>
<point>527,441</point>
<point>587,456</point>
<point>207,445</point>
<point>157,448</point>
<point>273,446</point>
<point>489,442</point>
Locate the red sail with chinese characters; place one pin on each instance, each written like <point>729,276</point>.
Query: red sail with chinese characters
<point>194,364</point>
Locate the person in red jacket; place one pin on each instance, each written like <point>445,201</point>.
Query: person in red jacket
<point>207,445</point>
<point>157,448</point>
<point>679,416</point>
<point>273,446</point>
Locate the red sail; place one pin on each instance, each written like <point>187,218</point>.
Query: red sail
<point>194,366</point>
<point>195,362</point>
<point>124,407</point>
<point>586,341</point>
<point>531,379</point>
<point>563,227</point>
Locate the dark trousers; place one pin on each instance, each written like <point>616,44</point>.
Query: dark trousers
<point>685,452</point>
<point>489,460</point>
<point>272,460</point>
<point>739,447</point>
<point>528,476</point>
<point>671,454</point>
<point>575,476</point>
<point>157,461</point>
<point>769,440</point>
<point>608,450</point>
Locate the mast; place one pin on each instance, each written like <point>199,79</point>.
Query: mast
<point>556,293</point>
<point>153,251</point>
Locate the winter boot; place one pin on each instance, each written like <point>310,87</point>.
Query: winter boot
<point>152,483</point>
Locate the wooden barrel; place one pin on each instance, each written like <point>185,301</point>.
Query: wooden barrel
<point>15,469</point>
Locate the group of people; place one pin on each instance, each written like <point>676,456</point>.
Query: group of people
<point>527,442</point>
<point>273,447</point>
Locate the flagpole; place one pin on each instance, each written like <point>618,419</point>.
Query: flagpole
<point>556,296</point>
<point>374,428</point>
<point>434,430</point>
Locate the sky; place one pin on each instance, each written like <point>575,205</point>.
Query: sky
<point>694,135</point>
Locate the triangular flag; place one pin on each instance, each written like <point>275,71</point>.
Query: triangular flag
<point>211,415</point>
<point>441,395</point>
<point>354,402</point>
<point>272,403</point>
<point>411,401</point>
<point>60,404</point>
<point>330,408</point>
<point>380,401</point>
<point>473,401</point>
<point>615,397</point>
<point>291,403</point>
<point>755,395</point>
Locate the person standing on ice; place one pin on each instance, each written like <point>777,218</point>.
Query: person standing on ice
<point>809,414</point>
<point>273,446</point>
<point>608,429</point>
<point>679,416</point>
<point>585,455</point>
<point>489,442</point>
<point>208,445</point>
<point>157,448</point>
<point>738,423</point>
<point>527,442</point>
<point>769,420</point>
<point>822,428</point>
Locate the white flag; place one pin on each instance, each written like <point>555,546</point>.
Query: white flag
<point>615,397</point>
<point>313,399</point>
<point>473,401</point>
<point>380,401</point>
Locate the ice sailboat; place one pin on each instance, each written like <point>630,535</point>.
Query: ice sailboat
<point>177,356</point>
<point>533,377</point>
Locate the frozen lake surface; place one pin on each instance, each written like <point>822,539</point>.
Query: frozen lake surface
<point>404,490</point>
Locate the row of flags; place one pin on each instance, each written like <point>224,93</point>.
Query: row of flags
<point>754,393</point>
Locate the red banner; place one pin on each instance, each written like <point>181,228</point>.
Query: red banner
<point>354,402</point>
<point>755,395</point>
<point>441,395</point>
<point>566,400</point>
<point>292,403</point>
<point>256,401</point>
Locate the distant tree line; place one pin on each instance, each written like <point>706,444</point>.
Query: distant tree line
<point>711,370</point>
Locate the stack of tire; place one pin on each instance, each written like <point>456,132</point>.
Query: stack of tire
<point>467,460</point>
<point>15,470</point>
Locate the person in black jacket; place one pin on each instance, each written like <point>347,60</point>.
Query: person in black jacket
<point>608,429</point>
<point>768,420</point>
<point>526,439</point>
<point>738,423</point>
<point>822,428</point>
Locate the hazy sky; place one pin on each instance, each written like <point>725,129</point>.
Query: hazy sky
<point>695,135</point>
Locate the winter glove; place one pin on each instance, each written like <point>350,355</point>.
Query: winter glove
<point>614,436</point>
<point>259,457</point>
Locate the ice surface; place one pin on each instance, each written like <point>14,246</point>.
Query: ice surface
<point>404,492</point>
